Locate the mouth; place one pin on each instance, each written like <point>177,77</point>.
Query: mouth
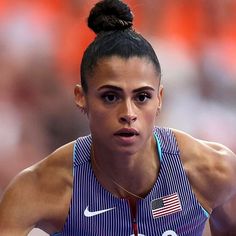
<point>127,133</point>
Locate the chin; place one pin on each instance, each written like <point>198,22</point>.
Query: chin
<point>127,150</point>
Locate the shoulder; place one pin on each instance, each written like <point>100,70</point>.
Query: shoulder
<point>34,193</point>
<point>210,167</point>
<point>55,170</point>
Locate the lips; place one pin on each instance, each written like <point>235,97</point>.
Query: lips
<point>127,132</point>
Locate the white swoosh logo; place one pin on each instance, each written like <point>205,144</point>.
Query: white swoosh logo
<point>88,213</point>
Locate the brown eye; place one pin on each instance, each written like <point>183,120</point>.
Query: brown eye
<point>110,98</point>
<point>143,97</point>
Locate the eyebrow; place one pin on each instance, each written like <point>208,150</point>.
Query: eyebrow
<point>120,89</point>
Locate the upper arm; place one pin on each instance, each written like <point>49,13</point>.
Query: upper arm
<point>226,160</point>
<point>18,213</point>
<point>39,196</point>
<point>211,169</point>
<point>223,219</point>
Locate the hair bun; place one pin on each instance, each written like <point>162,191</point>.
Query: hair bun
<point>108,15</point>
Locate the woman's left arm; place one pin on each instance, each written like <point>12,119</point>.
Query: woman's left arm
<point>223,217</point>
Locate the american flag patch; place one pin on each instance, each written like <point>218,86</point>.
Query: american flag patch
<point>166,205</point>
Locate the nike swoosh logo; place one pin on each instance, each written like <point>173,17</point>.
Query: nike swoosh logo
<point>88,213</point>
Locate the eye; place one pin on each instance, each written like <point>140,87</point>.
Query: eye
<point>110,98</point>
<point>143,97</point>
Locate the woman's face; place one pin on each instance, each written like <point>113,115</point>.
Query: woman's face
<point>122,101</point>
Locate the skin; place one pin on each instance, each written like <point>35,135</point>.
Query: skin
<point>119,98</point>
<point>40,196</point>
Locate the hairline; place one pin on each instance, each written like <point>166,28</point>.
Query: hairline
<point>107,57</point>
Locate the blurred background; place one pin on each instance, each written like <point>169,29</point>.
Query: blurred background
<point>41,45</point>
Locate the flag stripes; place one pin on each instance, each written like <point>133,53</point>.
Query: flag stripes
<point>166,205</point>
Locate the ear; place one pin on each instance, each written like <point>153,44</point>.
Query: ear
<point>80,99</point>
<point>160,96</point>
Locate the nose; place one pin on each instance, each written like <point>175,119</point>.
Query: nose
<point>129,119</point>
<point>128,115</point>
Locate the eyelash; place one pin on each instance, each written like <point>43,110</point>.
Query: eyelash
<point>106,95</point>
<point>146,96</point>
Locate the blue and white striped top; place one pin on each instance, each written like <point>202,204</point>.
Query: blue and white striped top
<point>96,212</point>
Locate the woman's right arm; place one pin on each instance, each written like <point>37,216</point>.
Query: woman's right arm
<point>19,211</point>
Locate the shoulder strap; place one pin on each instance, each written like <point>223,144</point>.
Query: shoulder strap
<point>82,149</point>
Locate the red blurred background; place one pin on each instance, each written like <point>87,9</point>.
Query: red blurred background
<point>41,45</point>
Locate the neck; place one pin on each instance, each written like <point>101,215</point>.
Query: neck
<point>130,176</point>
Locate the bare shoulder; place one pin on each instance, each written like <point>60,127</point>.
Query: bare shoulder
<point>210,167</point>
<point>39,196</point>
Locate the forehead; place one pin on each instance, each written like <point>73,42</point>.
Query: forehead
<point>118,71</point>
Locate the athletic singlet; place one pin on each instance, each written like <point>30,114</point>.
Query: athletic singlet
<point>170,208</point>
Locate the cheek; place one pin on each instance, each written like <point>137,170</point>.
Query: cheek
<point>150,120</point>
<point>100,117</point>
<point>101,112</point>
<point>150,114</point>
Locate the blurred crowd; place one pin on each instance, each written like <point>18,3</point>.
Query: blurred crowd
<point>41,45</point>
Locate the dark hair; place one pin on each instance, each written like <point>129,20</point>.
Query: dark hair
<point>112,21</point>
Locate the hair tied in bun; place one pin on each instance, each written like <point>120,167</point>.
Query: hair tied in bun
<point>110,15</point>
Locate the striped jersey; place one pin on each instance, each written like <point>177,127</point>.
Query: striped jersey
<point>169,209</point>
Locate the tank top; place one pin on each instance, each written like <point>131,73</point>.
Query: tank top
<point>169,209</point>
